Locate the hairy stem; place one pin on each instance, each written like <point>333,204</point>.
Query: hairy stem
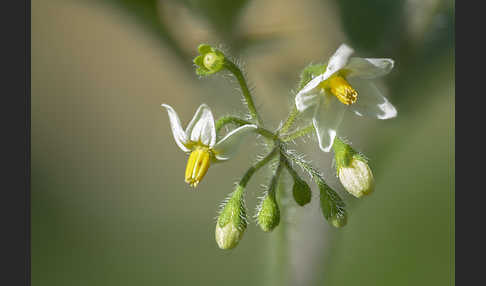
<point>222,121</point>
<point>290,120</point>
<point>249,173</point>
<point>299,133</point>
<point>275,178</point>
<point>239,122</point>
<point>289,168</point>
<point>235,70</point>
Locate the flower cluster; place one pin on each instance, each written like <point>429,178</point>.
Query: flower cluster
<point>329,89</point>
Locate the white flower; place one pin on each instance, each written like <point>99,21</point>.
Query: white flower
<point>345,84</point>
<point>199,138</point>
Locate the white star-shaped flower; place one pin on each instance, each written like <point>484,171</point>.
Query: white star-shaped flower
<point>199,139</point>
<point>345,84</point>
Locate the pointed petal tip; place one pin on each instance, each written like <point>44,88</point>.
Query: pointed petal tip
<point>390,112</point>
<point>179,135</point>
<point>326,148</point>
<point>345,48</point>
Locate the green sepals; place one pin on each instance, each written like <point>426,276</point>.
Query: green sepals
<point>343,153</point>
<point>360,156</point>
<point>234,210</point>
<point>198,60</point>
<point>332,206</point>
<point>309,72</point>
<point>209,60</point>
<point>204,49</point>
<point>301,192</point>
<point>232,221</point>
<point>268,216</point>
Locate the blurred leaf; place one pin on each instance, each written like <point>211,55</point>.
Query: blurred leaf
<point>146,13</point>
<point>223,15</point>
<point>369,24</point>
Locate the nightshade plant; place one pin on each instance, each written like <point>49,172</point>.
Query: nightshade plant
<point>329,89</point>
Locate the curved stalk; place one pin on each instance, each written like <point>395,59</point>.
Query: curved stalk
<point>249,173</point>
<point>239,122</point>
<point>299,133</point>
<point>294,113</point>
<point>235,70</point>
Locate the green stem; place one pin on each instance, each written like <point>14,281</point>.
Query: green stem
<point>239,122</point>
<point>289,168</point>
<point>235,70</point>
<point>298,133</point>
<point>276,176</point>
<point>311,171</point>
<point>229,120</point>
<point>290,120</point>
<point>249,173</point>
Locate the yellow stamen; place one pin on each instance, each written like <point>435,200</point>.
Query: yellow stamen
<point>197,165</point>
<point>340,88</point>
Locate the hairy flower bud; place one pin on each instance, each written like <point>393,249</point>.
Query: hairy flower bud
<point>232,221</point>
<point>332,206</point>
<point>353,170</point>
<point>301,192</point>
<point>339,219</point>
<point>209,60</point>
<point>357,178</point>
<point>268,216</point>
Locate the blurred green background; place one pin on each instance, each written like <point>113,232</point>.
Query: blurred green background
<point>109,203</point>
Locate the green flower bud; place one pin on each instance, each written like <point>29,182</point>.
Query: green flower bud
<point>332,206</point>
<point>268,216</point>
<point>353,170</point>
<point>209,60</point>
<point>339,219</point>
<point>232,221</point>
<point>301,191</point>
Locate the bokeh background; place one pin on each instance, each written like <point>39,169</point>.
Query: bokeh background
<point>109,203</point>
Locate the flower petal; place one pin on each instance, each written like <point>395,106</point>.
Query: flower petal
<point>196,118</point>
<point>338,60</point>
<point>369,68</point>
<point>327,117</point>
<point>202,127</point>
<point>307,95</point>
<point>370,101</point>
<point>305,100</point>
<point>228,146</point>
<point>180,136</point>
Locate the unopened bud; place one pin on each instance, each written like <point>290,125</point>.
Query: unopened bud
<point>209,60</point>
<point>268,216</point>
<point>339,219</point>
<point>232,221</point>
<point>357,178</point>
<point>332,206</point>
<point>353,170</point>
<point>301,191</point>
<point>228,236</point>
